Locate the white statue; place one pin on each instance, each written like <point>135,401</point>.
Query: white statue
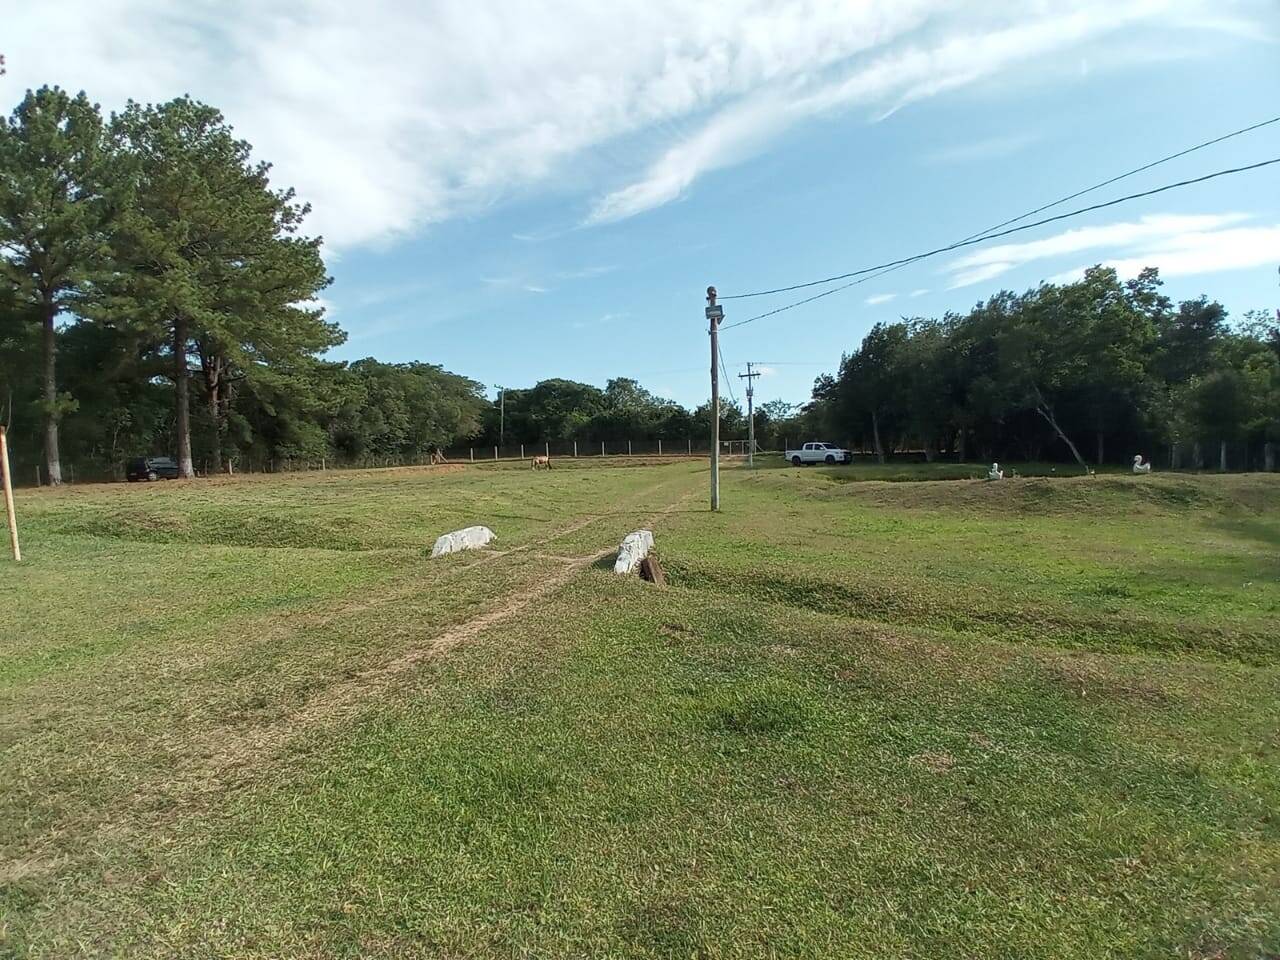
<point>995,473</point>
<point>1139,466</point>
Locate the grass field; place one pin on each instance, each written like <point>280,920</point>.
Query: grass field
<point>1036,718</point>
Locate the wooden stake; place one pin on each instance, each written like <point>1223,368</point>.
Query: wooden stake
<point>8,495</point>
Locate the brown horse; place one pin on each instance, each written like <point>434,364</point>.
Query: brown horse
<point>541,462</point>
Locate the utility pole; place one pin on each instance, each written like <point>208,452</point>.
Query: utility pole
<point>750,377</point>
<point>502,411</point>
<point>714,315</point>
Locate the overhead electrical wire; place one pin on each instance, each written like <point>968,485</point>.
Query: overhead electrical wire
<point>980,238</point>
<point>1055,203</point>
<point>728,381</point>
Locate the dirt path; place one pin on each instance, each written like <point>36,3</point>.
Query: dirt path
<point>230,754</point>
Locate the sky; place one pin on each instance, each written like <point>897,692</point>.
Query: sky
<point>524,189</point>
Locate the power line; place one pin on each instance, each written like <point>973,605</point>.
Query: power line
<point>1047,206</point>
<point>1004,233</point>
<point>1096,186</point>
<point>728,381</point>
<point>1125,176</point>
<point>971,241</point>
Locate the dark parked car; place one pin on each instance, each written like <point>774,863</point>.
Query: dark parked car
<point>151,468</point>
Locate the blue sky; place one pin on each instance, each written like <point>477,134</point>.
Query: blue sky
<point>520,190</point>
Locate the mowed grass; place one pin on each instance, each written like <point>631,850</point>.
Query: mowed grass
<point>1035,718</point>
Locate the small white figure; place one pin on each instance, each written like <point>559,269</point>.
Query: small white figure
<point>995,473</point>
<point>1139,466</point>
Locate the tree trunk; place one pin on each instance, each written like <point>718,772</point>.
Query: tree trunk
<point>211,368</point>
<point>875,430</point>
<point>960,445</point>
<point>52,458</point>
<point>1222,455</point>
<point>1269,456</point>
<point>1173,456</point>
<point>1042,408</point>
<point>181,383</point>
<point>1197,456</point>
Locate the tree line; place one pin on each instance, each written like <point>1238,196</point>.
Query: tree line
<point>1091,371</point>
<point>158,295</point>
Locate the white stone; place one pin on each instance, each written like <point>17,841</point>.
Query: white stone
<point>634,548</point>
<point>472,538</point>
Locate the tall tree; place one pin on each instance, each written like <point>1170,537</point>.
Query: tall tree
<point>214,267</point>
<point>56,205</point>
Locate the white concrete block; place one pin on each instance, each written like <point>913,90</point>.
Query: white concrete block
<point>634,548</point>
<point>472,538</point>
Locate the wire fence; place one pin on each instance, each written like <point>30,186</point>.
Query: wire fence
<point>1216,456</point>
<point>28,472</point>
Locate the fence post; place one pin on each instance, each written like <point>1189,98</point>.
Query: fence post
<point>659,446</point>
<point>495,453</point>
<point>690,440</point>
<point>38,483</point>
<point>628,448</point>
<point>575,449</point>
<point>8,496</point>
<point>522,451</point>
<point>602,448</point>
<point>547,448</point>
<point>472,453</point>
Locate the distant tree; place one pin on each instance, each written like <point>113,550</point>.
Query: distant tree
<point>1221,408</point>
<point>56,208</point>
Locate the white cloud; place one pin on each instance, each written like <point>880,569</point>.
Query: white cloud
<point>987,263</point>
<point>879,298</point>
<point>918,293</point>
<point>764,370</point>
<point>389,115</point>
<point>1186,254</point>
<point>958,49</point>
<point>985,149</point>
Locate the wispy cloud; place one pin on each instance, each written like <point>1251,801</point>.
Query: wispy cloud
<point>878,298</point>
<point>1187,254</point>
<point>534,288</point>
<point>601,321</point>
<point>586,273</point>
<point>1151,232</point>
<point>985,149</point>
<point>874,60</point>
<point>918,293</point>
<point>479,101</point>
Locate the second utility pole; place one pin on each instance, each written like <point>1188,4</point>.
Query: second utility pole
<point>714,315</point>
<point>751,416</point>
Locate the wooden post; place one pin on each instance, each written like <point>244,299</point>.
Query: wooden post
<point>473,454</point>
<point>546,448</point>
<point>628,448</point>
<point>8,495</point>
<point>522,451</point>
<point>38,475</point>
<point>659,446</point>
<point>602,448</point>
<point>690,441</point>
<point>495,453</point>
<point>575,449</point>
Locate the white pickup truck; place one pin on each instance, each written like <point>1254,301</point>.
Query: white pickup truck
<point>819,453</point>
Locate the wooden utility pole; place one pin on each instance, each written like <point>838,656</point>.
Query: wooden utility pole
<point>714,315</point>
<point>751,416</point>
<point>8,494</point>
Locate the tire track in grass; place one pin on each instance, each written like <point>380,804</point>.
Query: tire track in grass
<point>230,754</point>
<point>348,697</point>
